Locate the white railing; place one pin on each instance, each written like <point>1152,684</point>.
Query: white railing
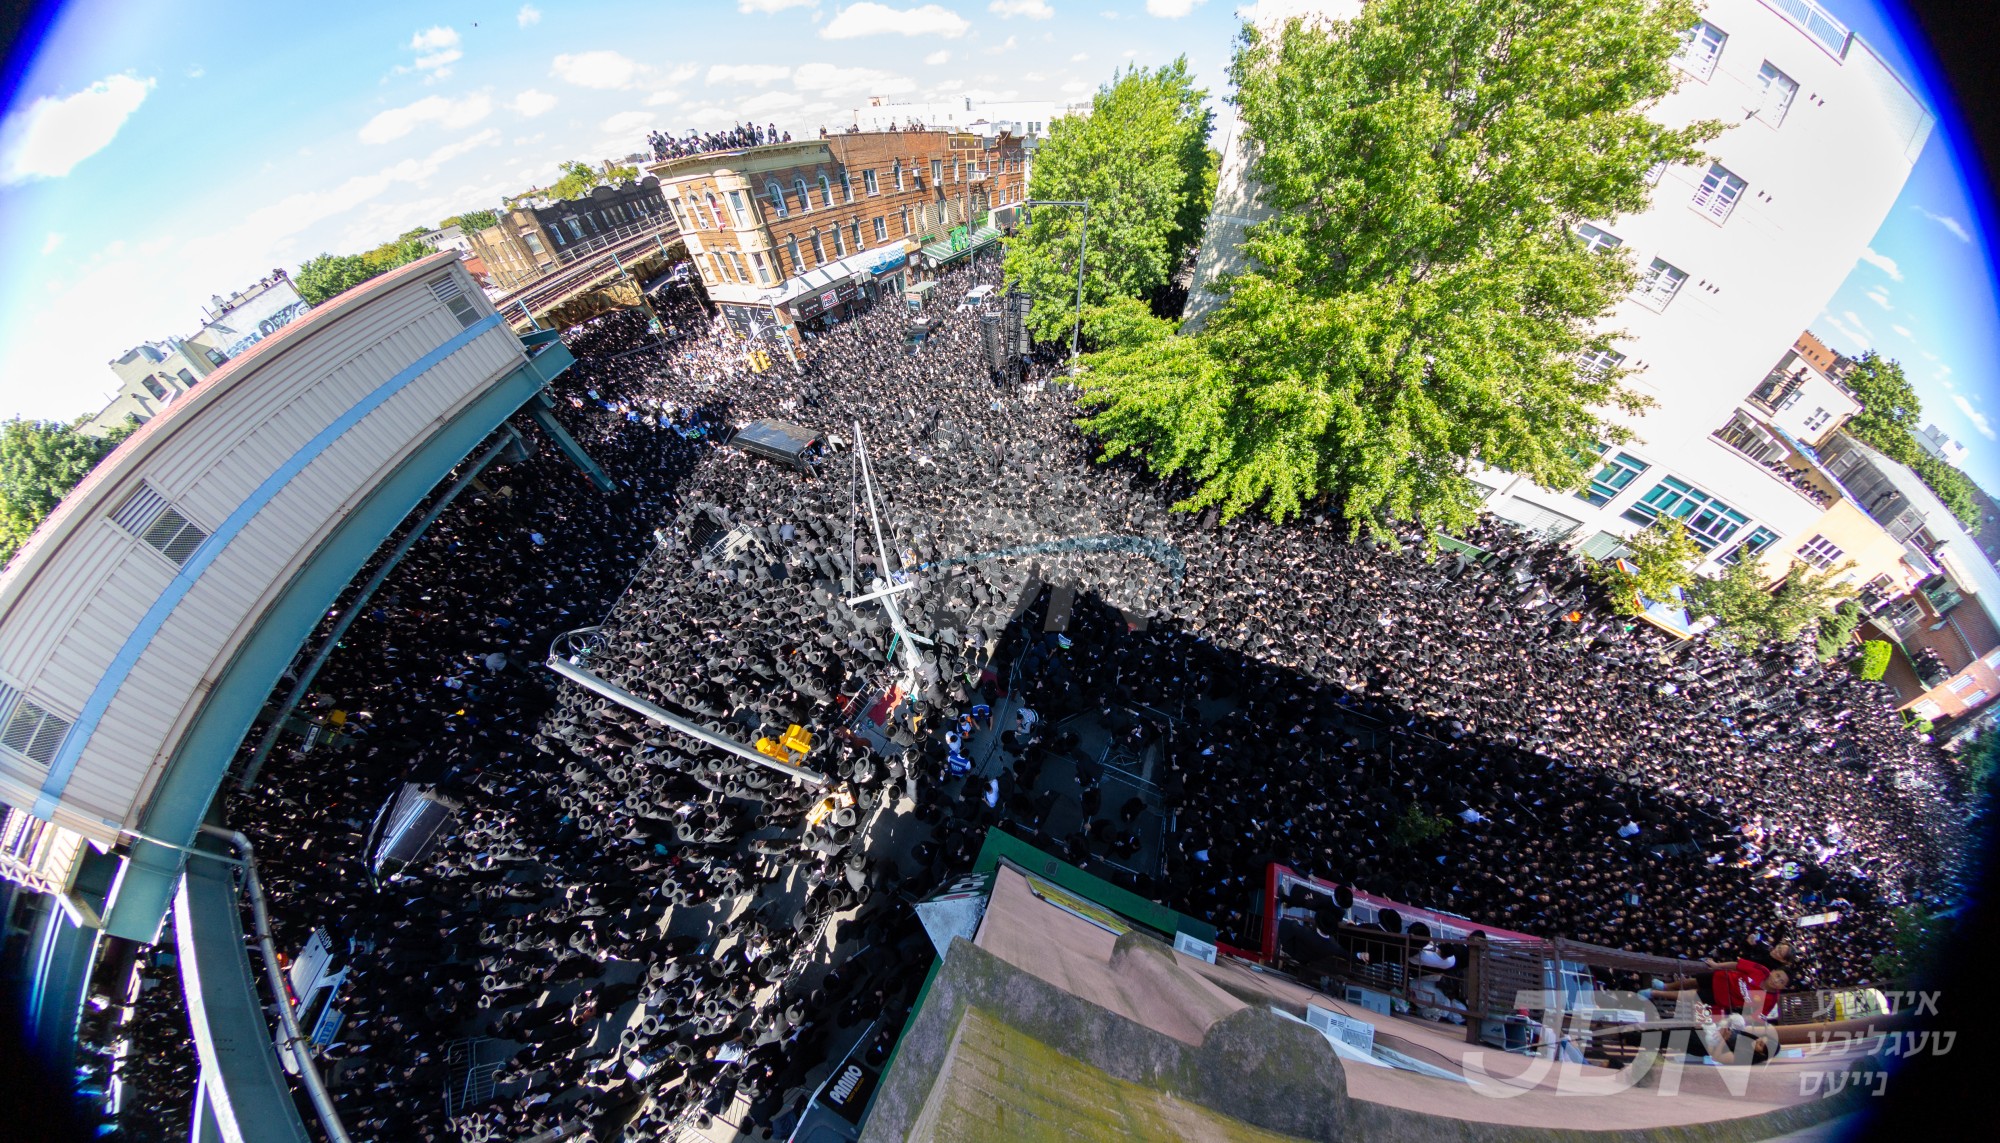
<point>1814,21</point>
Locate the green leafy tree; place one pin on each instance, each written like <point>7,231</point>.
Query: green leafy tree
<point>1749,611</point>
<point>1419,298</point>
<point>1874,661</point>
<point>1888,423</point>
<point>618,174</point>
<point>577,179</point>
<point>1919,941</point>
<point>327,275</point>
<point>472,221</point>
<point>1415,826</point>
<point>1141,159</point>
<point>1657,561</point>
<point>1890,408</point>
<point>1836,631</point>
<point>40,461</point>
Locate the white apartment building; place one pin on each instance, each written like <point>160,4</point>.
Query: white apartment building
<point>1736,257</point>
<point>1940,445</point>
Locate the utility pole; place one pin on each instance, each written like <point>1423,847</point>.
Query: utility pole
<point>884,590</point>
<point>1082,249</point>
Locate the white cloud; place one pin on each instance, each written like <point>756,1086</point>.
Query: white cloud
<point>1902,331</point>
<point>1079,57</point>
<point>1951,224</point>
<point>835,82</point>
<point>50,243</point>
<point>871,19</point>
<point>528,16</point>
<point>531,103</point>
<point>1170,9</point>
<point>662,98</point>
<point>1880,297</point>
<point>1977,418</point>
<point>940,56</point>
<point>759,74</point>
<point>627,123</point>
<point>1075,87</point>
<point>1006,46</point>
<point>48,138</point>
<point>602,70</point>
<point>1032,9</point>
<point>1858,338</point>
<point>400,121</point>
<point>771,101</point>
<point>747,6</point>
<point>1882,262</point>
<point>196,72</point>
<point>438,49</point>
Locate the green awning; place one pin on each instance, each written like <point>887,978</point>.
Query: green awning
<point>938,253</point>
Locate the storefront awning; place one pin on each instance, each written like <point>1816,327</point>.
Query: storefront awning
<point>939,253</point>
<point>819,279</point>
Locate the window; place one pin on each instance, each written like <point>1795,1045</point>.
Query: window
<point>736,207</point>
<point>805,200</point>
<point>187,378</point>
<point>881,231</point>
<point>898,170</point>
<point>819,252</point>
<point>1760,539</point>
<point>763,271</point>
<point>1778,91</point>
<point>1709,521</point>
<point>1975,698</point>
<point>958,174</point>
<point>858,244</point>
<point>1718,192</point>
<point>868,181</point>
<point>1619,470</point>
<point>792,248</point>
<point>825,192</point>
<point>906,222</point>
<point>575,227</point>
<point>1958,685</point>
<point>150,516</point>
<point>33,731</point>
<point>776,194</point>
<point>847,188</point>
<point>742,274</point>
<point>1927,710</point>
<point>448,291</point>
<point>937,171</point>
<point>1598,363</point>
<point>153,386</point>
<point>1597,238</point>
<point>1701,47</point>
<point>839,243</point>
<point>1819,552</point>
<point>1992,659</point>
<point>1659,282</point>
<point>714,213</point>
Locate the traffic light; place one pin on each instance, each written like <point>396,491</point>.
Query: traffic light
<point>760,360</point>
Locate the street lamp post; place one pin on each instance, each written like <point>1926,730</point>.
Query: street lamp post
<point>1082,248</point>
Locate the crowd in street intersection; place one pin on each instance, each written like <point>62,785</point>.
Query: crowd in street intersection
<point>650,931</point>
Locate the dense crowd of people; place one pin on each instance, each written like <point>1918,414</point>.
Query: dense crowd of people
<point>653,931</point>
<point>692,142</point>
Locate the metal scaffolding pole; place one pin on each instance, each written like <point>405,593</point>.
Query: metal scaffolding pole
<point>585,678</point>
<point>295,1040</point>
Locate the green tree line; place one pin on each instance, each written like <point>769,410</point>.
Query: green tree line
<point>1891,412</point>
<point>1419,299</point>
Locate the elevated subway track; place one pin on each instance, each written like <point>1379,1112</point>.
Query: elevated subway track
<point>538,303</point>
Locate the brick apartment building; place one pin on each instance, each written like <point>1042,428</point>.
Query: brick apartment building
<point>532,241</point>
<point>794,235</point>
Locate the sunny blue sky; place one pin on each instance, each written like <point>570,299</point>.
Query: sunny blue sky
<point>158,153</point>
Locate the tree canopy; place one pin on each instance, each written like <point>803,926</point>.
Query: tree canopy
<point>40,461</point>
<point>1657,561</point>
<point>1141,159</point>
<point>326,275</point>
<point>1749,612</point>
<point>1888,423</point>
<point>1419,299</point>
<point>472,221</point>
